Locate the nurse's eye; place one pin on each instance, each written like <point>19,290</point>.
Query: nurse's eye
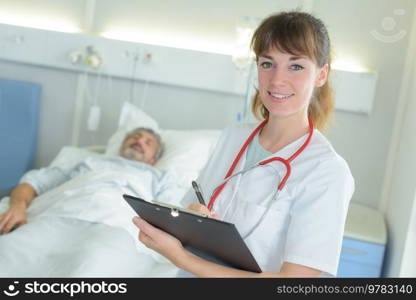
<point>266,65</point>
<point>296,67</point>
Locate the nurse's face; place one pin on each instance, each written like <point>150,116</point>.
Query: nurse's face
<point>287,81</point>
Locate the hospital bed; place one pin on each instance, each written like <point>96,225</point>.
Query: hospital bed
<point>83,230</point>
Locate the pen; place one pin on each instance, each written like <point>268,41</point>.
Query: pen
<point>198,192</point>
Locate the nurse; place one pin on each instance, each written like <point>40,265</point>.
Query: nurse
<point>291,211</point>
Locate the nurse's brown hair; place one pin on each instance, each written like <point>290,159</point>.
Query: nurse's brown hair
<point>297,33</point>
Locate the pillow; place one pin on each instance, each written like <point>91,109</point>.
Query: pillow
<point>69,156</point>
<point>186,151</point>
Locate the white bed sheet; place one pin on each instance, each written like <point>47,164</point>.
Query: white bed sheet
<point>67,247</point>
<point>84,228</point>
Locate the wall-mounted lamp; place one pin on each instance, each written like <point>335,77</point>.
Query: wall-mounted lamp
<point>348,65</point>
<point>160,39</point>
<point>88,57</point>
<point>39,22</point>
<point>354,91</point>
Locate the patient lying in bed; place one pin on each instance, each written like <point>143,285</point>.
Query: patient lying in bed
<point>62,205</point>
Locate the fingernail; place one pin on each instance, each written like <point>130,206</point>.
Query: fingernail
<point>136,219</point>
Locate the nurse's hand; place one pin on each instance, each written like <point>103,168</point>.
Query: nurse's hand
<point>158,240</point>
<point>203,209</point>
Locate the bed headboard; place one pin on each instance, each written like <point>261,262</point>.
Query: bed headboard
<point>19,115</point>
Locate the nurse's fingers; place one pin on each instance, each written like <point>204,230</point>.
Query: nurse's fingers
<point>199,208</point>
<point>135,220</point>
<point>139,222</point>
<point>215,216</point>
<point>145,239</point>
<point>144,226</point>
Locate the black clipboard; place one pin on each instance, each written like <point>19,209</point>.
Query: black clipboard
<point>212,239</point>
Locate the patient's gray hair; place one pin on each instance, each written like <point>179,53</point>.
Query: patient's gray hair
<point>161,148</point>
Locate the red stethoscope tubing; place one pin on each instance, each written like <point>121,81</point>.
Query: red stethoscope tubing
<point>286,162</point>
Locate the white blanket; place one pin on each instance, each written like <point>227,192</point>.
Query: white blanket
<point>84,228</point>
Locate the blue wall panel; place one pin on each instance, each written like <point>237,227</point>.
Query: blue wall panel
<point>19,118</point>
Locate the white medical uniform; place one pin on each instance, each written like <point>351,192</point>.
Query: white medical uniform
<point>305,224</point>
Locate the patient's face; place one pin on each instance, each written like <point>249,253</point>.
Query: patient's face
<point>141,146</point>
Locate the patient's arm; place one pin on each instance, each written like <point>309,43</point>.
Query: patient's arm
<point>20,199</point>
<point>45,179</point>
<point>22,195</point>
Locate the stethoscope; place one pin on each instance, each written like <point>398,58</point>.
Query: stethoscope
<point>285,162</point>
<point>264,163</point>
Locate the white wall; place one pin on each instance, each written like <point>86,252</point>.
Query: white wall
<point>364,140</point>
<point>400,206</point>
<point>205,23</point>
<point>60,15</point>
<point>408,261</point>
<point>371,149</point>
<point>173,107</point>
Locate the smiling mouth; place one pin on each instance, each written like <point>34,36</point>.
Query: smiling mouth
<point>280,97</point>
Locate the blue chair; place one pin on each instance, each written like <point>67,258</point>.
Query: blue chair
<point>19,116</point>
